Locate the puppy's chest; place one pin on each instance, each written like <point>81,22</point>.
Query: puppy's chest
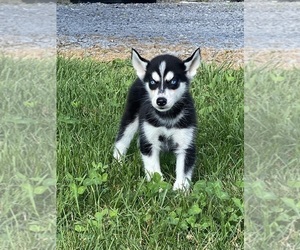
<point>168,139</point>
<point>166,143</point>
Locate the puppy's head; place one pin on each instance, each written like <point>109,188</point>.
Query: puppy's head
<point>166,77</point>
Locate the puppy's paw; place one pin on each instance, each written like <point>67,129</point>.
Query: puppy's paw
<point>117,155</point>
<point>182,185</point>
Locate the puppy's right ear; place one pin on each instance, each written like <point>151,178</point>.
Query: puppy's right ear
<point>139,64</point>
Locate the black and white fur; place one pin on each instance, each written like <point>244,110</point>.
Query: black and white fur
<point>160,106</point>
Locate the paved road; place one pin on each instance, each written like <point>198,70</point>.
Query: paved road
<point>216,25</point>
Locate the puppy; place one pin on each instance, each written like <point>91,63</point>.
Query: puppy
<point>160,106</point>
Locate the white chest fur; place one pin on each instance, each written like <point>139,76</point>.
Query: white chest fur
<point>181,137</point>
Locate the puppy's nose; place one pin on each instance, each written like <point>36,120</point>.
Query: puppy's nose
<point>161,101</point>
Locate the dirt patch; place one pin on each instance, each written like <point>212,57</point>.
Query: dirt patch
<point>289,58</point>
<point>236,58</point>
<point>29,52</point>
<point>273,58</point>
<point>209,55</point>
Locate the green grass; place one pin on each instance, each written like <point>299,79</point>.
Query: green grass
<point>272,149</point>
<point>102,204</point>
<point>27,154</point>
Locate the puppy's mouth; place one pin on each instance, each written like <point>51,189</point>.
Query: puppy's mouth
<point>162,109</point>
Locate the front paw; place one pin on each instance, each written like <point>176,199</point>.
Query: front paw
<point>182,185</point>
<point>118,155</point>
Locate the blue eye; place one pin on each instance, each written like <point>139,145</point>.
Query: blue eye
<point>152,82</point>
<point>173,81</point>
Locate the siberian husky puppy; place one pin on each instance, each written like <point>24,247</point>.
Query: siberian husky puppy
<point>160,106</point>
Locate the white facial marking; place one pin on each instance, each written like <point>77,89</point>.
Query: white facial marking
<point>155,76</point>
<point>169,76</point>
<point>122,145</point>
<point>162,68</point>
<point>172,96</point>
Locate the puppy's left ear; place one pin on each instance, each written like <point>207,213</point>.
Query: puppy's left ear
<point>139,63</point>
<point>192,63</point>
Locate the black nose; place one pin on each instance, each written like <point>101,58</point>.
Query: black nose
<point>161,101</point>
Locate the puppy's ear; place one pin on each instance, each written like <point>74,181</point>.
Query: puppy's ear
<point>139,64</point>
<point>192,63</point>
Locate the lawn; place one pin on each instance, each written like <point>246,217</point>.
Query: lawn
<point>272,149</point>
<point>102,204</point>
<point>27,153</point>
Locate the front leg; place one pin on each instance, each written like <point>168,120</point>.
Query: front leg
<point>150,156</point>
<point>185,162</point>
<point>125,136</point>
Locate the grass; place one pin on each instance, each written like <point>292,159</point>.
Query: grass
<point>272,148</point>
<point>102,204</point>
<point>27,154</point>
<point>105,205</point>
